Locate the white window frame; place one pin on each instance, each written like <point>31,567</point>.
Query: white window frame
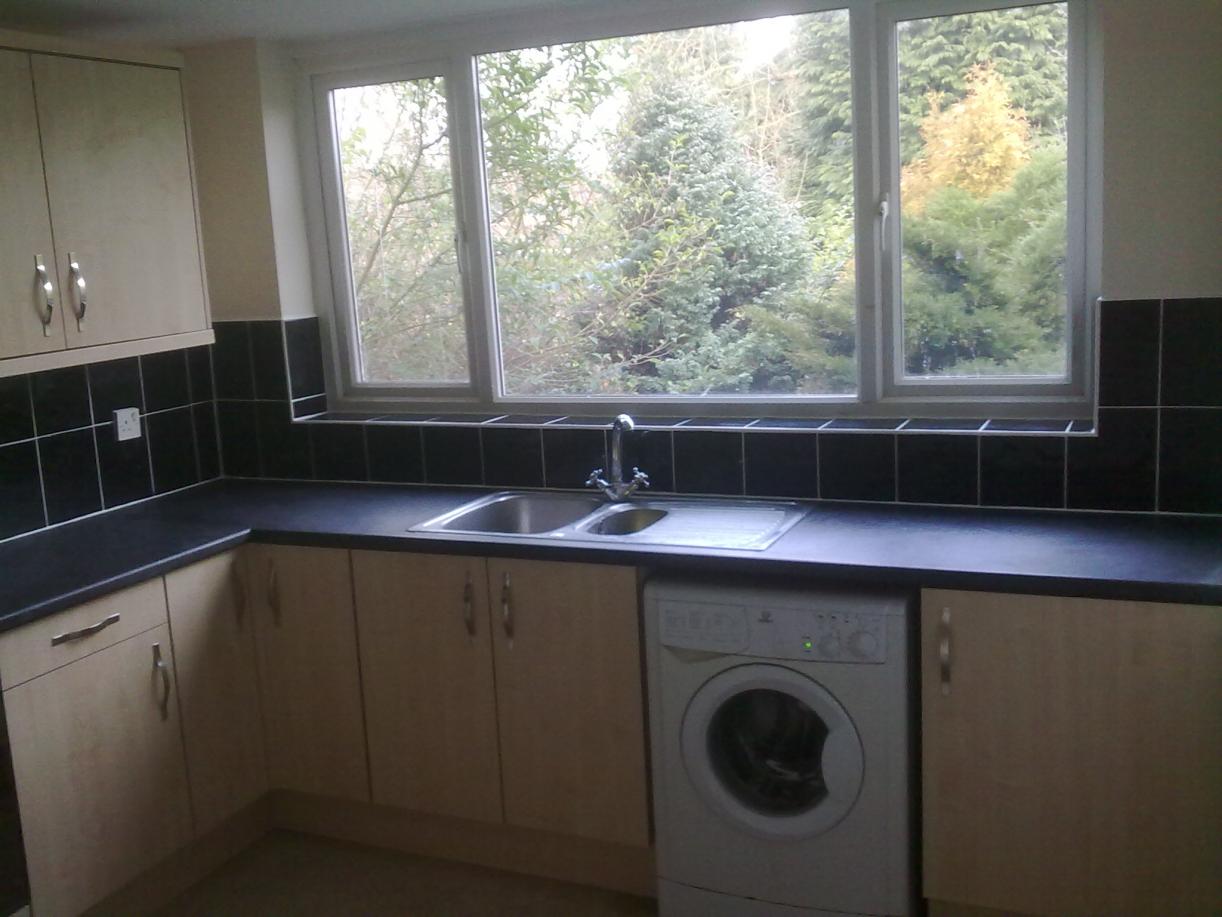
<point>450,51</point>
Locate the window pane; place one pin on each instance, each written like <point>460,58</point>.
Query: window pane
<point>982,121</point>
<point>672,214</point>
<point>394,150</point>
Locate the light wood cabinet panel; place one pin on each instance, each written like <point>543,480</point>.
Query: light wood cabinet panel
<point>309,679</point>
<point>218,687</point>
<point>1072,765</point>
<point>25,229</point>
<point>569,700</point>
<point>119,183</point>
<point>426,668</point>
<point>101,779</point>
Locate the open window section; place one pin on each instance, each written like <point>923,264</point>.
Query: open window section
<point>982,110</point>
<point>672,214</point>
<point>393,142</point>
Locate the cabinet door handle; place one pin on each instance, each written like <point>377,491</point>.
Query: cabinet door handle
<point>48,302</point>
<point>507,607</point>
<point>273,592</point>
<point>239,596</point>
<point>78,280</point>
<point>944,651</point>
<point>468,606</point>
<point>163,670</point>
<point>85,631</point>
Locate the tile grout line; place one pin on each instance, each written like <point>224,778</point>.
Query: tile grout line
<point>148,440</point>
<point>1158,414</point>
<point>42,484</point>
<point>93,438</point>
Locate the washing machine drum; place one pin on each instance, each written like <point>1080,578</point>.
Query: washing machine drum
<point>772,751</point>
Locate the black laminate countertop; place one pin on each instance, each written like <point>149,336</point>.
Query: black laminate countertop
<point>1120,556</point>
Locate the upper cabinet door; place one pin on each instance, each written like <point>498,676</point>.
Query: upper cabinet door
<point>119,183</point>
<point>31,320</point>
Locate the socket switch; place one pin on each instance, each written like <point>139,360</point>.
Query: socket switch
<point>127,424</point>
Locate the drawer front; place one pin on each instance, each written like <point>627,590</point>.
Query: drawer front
<point>41,646</point>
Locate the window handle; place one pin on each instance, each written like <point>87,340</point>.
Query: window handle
<point>884,211</point>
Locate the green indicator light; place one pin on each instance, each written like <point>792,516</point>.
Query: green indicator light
<point>806,644</point>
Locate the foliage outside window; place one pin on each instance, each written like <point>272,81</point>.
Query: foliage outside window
<point>675,214</point>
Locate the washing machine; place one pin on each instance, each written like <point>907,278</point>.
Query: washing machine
<point>780,750</point>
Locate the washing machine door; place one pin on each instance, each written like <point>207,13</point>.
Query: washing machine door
<point>772,751</point>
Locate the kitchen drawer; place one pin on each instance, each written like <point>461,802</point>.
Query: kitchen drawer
<point>33,649</point>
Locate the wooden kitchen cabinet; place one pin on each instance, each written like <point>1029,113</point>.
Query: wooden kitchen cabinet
<point>309,677</point>
<point>426,666</point>
<point>101,780</point>
<point>27,324</point>
<point>1071,753</point>
<point>218,688</point>
<point>569,699</point>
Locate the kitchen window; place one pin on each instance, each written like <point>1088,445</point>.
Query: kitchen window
<point>872,208</point>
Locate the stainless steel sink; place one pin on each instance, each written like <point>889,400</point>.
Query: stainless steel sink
<point>515,514</point>
<point>626,521</point>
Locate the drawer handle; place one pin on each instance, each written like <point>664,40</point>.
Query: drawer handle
<point>48,303</point>
<point>78,280</point>
<point>163,670</point>
<point>468,606</point>
<point>85,631</point>
<point>507,607</point>
<point>273,592</point>
<point>944,652</point>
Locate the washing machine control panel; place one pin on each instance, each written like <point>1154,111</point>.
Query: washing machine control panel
<point>777,633</point>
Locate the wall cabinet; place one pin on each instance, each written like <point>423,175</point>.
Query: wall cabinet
<point>309,676</point>
<point>1070,755</point>
<point>96,158</point>
<point>218,688</point>
<point>97,753</point>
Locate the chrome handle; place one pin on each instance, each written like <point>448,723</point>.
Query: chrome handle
<point>507,607</point>
<point>468,606</point>
<point>273,592</point>
<point>44,282</point>
<point>239,595</point>
<point>162,669</point>
<point>944,651</point>
<point>85,631</point>
<point>78,280</point>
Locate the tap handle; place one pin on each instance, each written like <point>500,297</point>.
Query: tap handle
<point>596,479</point>
<point>639,478</point>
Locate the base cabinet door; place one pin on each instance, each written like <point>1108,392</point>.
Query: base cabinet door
<point>101,779</point>
<point>218,687</point>
<point>426,668</point>
<point>1071,752</point>
<point>569,698</point>
<point>309,675</point>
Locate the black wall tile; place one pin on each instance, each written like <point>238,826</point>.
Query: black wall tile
<point>339,452</point>
<point>569,455</point>
<point>124,466</point>
<point>165,380</point>
<point>16,414</point>
<point>856,466</point>
<point>70,475</point>
<point>203,416</point>
<point>231,362</point>
<point>267,351</point>
<point>1022,471</point>
<point>937,469</point>
<point>512,457</point>
<point>395,453</point>
<point>113,385</point>
<point>865,423</point>
<point>172,444</point>
<point>1114,470</point>
<point>303,339</point>
<point>20,491</point>
<point>653,452</point>
<point>1192,343</point>
<point>239,438</point>
<point>284,445</point>
<point>452,455</point>
<point>950,423</point>
<point>308,407</point>
<point>1128,352</point>
<point>1029,426</point>
<point>790,423</point>
<point>61,400</point>
<point>1190,461</point>
<point>708,463</point>
<point>782,464</point>
<point>199,372</point>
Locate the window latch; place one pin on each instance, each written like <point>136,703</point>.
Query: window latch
<point>884,211</point>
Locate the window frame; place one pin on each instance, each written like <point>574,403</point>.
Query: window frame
<point>450,51</point>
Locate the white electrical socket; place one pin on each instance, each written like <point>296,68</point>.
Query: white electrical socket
<point>127,424</point>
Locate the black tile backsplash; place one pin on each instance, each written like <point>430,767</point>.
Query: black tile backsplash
<point>165,381</point>
<point>339,451</point>
<point>1128,364</point>
<point>113,385</point>
<point>172,447</point>
<point>199,372</point>
<point>61,400</point>
<point>16,411</point>
<point>239,433</point>
<point>857,466</point>
<point>1192,352</point>
<point>512,457</point>
<point>232,367</point>
<point>396,453</point>
<point>653,452</point>
<point>782,465</point>
<point>69,475</point>
<point>20,490</point>
<point>284,445</point>
<point>303,343</point>
<point>1022,471</point>
<point>207,447</point>
<point>267,351</point>
<point>452,455</point>
<point>1190,460</point>
<point>1114,470</point>
<point>938,469</point>
<point>124,467</point>
<point>707,463</point>
<point>569,455</point>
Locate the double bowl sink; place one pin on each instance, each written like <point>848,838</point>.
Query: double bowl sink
<point>735,524</point>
